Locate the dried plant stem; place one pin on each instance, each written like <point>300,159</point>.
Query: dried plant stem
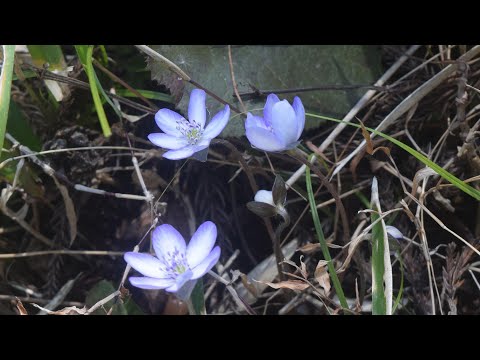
<point>238,300</point>
<point>275,241</point>
<point>234,83</point>
<point>123,83</point>
<point>61,252</point>
<point>173,67</point>
<point>296,154</point>
<point>358,106</point>
<point>413,100</point>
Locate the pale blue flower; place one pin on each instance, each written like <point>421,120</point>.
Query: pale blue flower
<point>175,263</point>
<point>393,231</point>
<point>281,125</point>
<point>185,137</point>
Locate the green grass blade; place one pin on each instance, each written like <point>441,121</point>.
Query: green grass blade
<point>51,54</point>
<point>323,242</point>
<point>5,87</point>
<point>148,94</point>
<point>400,291</point>
<point>85,54</point>
<point>443,173</point>
<point>382,277</point>
<point>379,302</point>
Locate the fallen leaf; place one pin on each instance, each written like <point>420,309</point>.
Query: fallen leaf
<point>71,310</point>
<point>248,285</point>
<point>296,285</point>
<point>368,140</point>
<point>385,149</point>
<point>419,176</point>
<point>303,268</point>
<point>310,248</point>
<point>20,307</point>
<point>322,277</point>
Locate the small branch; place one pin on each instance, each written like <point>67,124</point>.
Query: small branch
<point>173,67</point>
<point>102,302</point>
<point>124,84</point>
<point>234,83</point>
<point>238,300</point>
<point>355,110</point>
<point>264,93</point>
<point>61,252</point>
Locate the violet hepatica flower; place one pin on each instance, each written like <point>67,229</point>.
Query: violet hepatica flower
<point>281,125</point>
<point>185,137</point>
<point>175,263</point>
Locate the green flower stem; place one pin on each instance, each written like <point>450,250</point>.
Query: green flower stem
<point>323,242</point>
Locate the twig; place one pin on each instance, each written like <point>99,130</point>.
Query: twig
<point>354,111</point>
<point>102,302</point>
<point>238,300</point>
<point>62,293</point>
<point>275,242</point>
<point>61,252</point>
<point>173,67</point>
<point>259,93</point>
<point>42,73</point>
<point>123,83</point>
<point>412,100</point>
<point>40,301</point>
<point>234,83</point>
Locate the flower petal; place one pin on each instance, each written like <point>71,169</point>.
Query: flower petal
<point>255,121</point>
<point>184,152</point>
<point>264,196</point>
<point>180,281</point>
<point>202,268</point>
<point>217,124</point>
<point>201,243</point>
<point>196,107</point>
<point>166,240</point>
<point>168,121</point>
<point>146,264</point>
<point>167,141</point>
<point>392,230</point>
<point>284,122</point>
<point>300,115</point>
<point>150,283</point>
<point>264,139</point>
<point>272,99</point>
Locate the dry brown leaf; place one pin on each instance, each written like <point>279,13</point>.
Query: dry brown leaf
<point>368,140</point>
<point>248,285</point>
<point>69,210</point>
<point>70,310</point>
<point>419,176</point>
<point>20,307</point>
<point>303,268</point>
<point>322,277</point>
<point>310,248</point>
<point>385,149</point>
<point>296,285</point>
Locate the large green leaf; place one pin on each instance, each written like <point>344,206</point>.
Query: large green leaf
<point>271,67</point>
<point>20,129</point>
